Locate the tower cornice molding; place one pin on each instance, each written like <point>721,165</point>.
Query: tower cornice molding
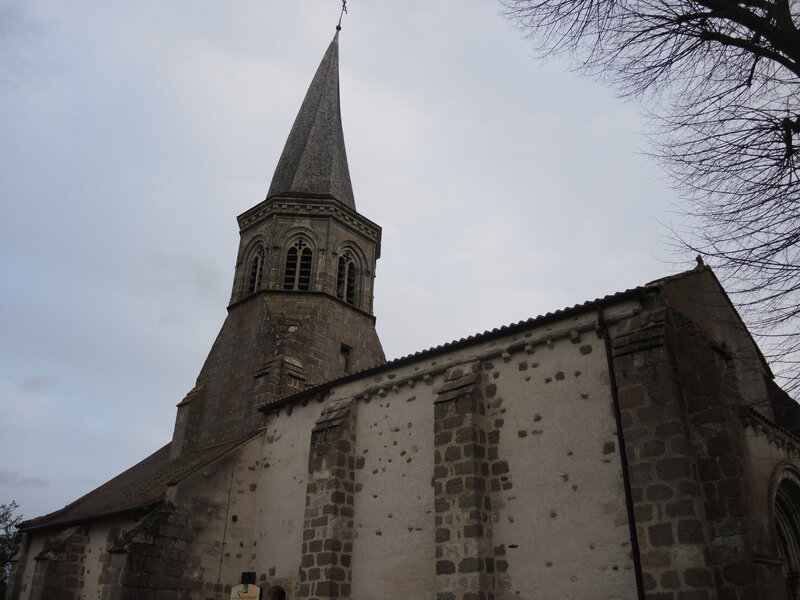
<point>290,293</point>
<point>309,207</point>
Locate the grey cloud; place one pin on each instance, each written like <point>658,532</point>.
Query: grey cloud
<point>37,383</point>
<point>17,27</point>
<point>13,478</point>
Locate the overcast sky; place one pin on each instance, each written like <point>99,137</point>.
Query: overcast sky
<point>133,133</point>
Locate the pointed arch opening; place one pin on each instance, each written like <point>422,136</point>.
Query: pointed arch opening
<point>347,277</point>
<point>256,270</point>
<point>297,272</point>
<point>787,529</point>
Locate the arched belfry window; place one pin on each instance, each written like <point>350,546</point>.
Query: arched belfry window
<point>297,275</point>
<point>256,272</point>
<point>787,528</point>
<point>346,278</point>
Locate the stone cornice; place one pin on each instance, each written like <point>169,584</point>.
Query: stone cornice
<point>536,337</point>
<point>775,434</point>
<point>299,293</point>
<point>310,207</point>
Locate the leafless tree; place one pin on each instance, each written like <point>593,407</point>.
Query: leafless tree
<point>9,540</point>
<point>721,81</point>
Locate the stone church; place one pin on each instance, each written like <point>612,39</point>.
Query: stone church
<point>634,446</point>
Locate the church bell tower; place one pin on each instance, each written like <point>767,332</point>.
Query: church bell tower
<point>301,305</point>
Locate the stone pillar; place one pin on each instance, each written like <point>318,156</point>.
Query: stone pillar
<point>713,403</point>
<point>16,579</point>
<point>684,447</point>
<point>59,570</point>
<point>464,562</point>
<point>154,561</point>
<point>278,377</point>
<point>325,570</point>
<point>188,421</point>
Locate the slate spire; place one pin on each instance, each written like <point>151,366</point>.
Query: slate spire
<point>314,161</point>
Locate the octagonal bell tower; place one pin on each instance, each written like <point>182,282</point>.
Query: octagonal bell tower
<point>301,305</point>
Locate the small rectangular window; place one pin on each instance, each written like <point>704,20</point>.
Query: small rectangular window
<point>346,357</point>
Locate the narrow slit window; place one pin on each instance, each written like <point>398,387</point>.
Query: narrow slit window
<point>297,275</point>
<point>346,356</point>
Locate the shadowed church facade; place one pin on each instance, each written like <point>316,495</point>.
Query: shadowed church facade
<point>634,446</point>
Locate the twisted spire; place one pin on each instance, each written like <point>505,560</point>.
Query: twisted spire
<point>314,160</point>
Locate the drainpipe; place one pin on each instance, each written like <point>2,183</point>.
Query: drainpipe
<point>602,329</point>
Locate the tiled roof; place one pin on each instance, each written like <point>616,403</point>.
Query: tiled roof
<point>314,161</point>
<point>476,338</point>
<point>548,317</point>
<point>141,486</point>
<point>504,330</point>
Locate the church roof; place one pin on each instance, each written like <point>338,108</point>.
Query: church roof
<point>314,161</point>
<point>142,486</point>
<point>550,317</point>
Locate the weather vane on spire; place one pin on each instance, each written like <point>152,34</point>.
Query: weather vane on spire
<point>341,14</point>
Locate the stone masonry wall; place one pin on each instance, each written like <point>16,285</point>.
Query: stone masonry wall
<point>325,570</point>
<point>151,561</point>
<point>16,581</point>
<point>274,344</point>
<point>774,455</point>
<point>59,570</point>
<point>464,560</point>
<point>713,403</point>
<point>326,225</point>
<point>684,445</point>
<point>520,443</point>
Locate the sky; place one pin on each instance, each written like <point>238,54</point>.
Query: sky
<point>133,133</point>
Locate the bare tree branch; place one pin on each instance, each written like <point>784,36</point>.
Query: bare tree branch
<point>723,80</point>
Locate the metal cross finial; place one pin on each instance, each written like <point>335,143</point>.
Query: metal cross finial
<point>341,14</point>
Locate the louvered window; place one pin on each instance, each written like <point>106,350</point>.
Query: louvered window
<point>256,270</point>
<point>346,278</point>
<point>298,267</point>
